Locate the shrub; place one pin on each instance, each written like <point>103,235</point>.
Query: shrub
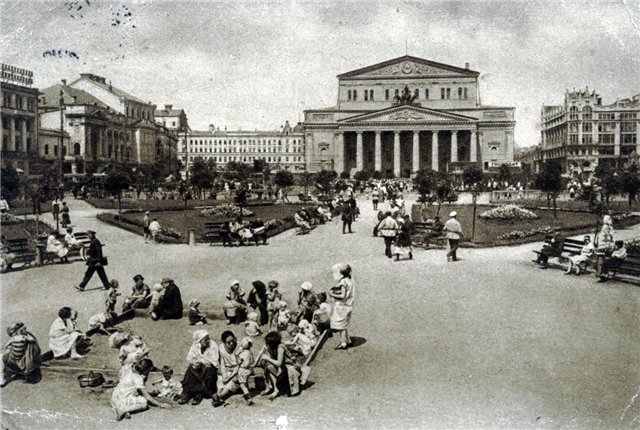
<point>518,234</point>
<point>8,219</point>
<point>508,212</point>
<point>170,232</point>
<point>225,211</point>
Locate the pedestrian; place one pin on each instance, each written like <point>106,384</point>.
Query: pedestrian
<point>388,228</point>
<point>154,229</point>
<point>66,219</point>
<point>96,262</point>
<point>342,294</point>
<point>375,198</point>
<point>55,209</point>
<point>347,216</point>
<point>145,226</point>
<point>454,233</point>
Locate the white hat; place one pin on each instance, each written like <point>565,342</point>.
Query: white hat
<point>453,214</point>
<point>306,286</point>
<point>234,282</point>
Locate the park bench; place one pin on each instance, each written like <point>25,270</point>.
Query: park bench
<point>422,235</point>
<point>305,198</point>
<point>629,269</point>
<point>23,252</point>
<point>84,241</point>
<point>570,248</point>
<point>216,233</point>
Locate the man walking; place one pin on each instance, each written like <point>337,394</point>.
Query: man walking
<point>96,263</point>
<point>388,228</point>
<point>454,234</point>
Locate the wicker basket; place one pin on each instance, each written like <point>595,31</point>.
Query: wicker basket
<point>90,379</point>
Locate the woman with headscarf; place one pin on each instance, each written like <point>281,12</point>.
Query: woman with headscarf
<point>170,304</point>
<point>201,376</point>
<point>342,294</point>
<point>604,243</point>
<point>64,337</point>
<point>21,358</point>
<point>56,247</point>
<point>257,300</point>
<point>280,371</point>
<point>130,395</point>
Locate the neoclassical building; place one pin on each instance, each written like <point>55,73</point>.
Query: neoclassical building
<point>406,114</point>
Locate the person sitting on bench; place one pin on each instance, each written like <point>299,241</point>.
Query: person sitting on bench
<point>612,263</point>
<point>582,259</point>
<point>551,249</point>
<point>436,231</point>
<point>300,222</point>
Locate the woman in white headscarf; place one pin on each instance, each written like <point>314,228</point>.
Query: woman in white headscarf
<point>604,243</point>
<point>201,376</point>
<point>343,294</point>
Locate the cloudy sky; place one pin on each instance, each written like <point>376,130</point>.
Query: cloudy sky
<point>255,64</point>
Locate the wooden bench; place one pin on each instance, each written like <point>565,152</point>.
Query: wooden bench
<point>629,269</point>
<point>84,241</point>
<point>215,233</point>
<point>423,235</point>
<point>570,248</point>
<point>22,251</point>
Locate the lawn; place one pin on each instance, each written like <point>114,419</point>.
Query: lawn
<point>487,231</point>
<point>182,221</point>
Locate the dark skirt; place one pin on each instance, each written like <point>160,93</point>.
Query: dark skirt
<point>200,382</point>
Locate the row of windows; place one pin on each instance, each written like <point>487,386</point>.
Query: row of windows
<point>587,114</point>
<point>445,93</point>
<point>16,101</point>
<point>140,113</point>
<point>225,150</point>
<point>587,127</point>
<point>224,159</point>
<point>244,141</point>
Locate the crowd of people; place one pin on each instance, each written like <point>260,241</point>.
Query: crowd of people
<point>213,371</point>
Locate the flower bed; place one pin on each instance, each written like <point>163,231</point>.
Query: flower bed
<point>509,212</point>
<point>225,211</point>
<point>8,219</point>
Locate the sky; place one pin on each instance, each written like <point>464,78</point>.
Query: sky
<point>253,65</point>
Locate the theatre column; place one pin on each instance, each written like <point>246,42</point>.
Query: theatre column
<point>12,134</point>
<point>339,153</point>
<point>416,151</point>
<point>434,149</point>
<point>454,146</point>
<point>396,153</point>
<point>378,150</point>
<point>473,155</point>
<point>359,155</point>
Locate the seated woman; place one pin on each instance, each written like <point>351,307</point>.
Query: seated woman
<point>281,374</point>
<point>64,337</point>
<point>22,356</point>
<point>130,395</point>
<point>170,304</point>
<point>257,300</point>
<point>140,296</point>
<point>201,376</point>
<point>239,231</point>
<point>300,222</point>
<point>57,247</point>
<point>259,231</point>
<point>235,307</point>
<point>582,259</point>
<point>613,262</point>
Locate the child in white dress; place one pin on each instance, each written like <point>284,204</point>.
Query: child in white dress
<point>245,369</point>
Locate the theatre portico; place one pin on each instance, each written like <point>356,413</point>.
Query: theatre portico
<point>404,115</point>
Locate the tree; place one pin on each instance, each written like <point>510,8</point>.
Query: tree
<point>630,182</point>
<point>549,180</point>
<point>324,179</point>
<point>345,175</point>
<point>118,179</point>
<point>444,191</point>
<point>283,178</point>
<point>10,183</point>
<point>609,182</point>
<point>260,165</point>
<point>202,175</point>
<point>473,177</point>
<point>362,175</point>
<point>377,174</point>
<point>240,198</point>
<point>425,182</point>
<point>504,174</point>
<point>238,171</point>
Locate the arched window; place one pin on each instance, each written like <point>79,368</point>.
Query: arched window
<point>465,93</point>
<point>586,113</point>
<point>386,94</point>
<point>426,94</point>
<point>417,93</point>
<point>459,92</point>
<point>323,154</point>
<point>76,148</point>
<point>370,94</point>
<point>442,93</point>
<point>366,94</point>
<point>573,113</point>
<point>355,94</point>
<point>448,93</point>
<point>349,95</point>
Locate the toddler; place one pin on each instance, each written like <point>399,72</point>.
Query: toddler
<point>251,326</point>
<point>309,330</point>
<point>322,315</point>
<point>99,323</point>
<point>112,297</point>
<point>195,316</point>
<point>284,316</point>
<point>273,303</point>
<point>299,342</point>
<point>245,367</point>
<point>169,386</point>
<point>156,295</point>
<point>133,349</point>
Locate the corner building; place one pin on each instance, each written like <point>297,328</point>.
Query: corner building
<point>408,114</point>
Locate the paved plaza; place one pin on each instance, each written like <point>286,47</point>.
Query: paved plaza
<point>490,341</point>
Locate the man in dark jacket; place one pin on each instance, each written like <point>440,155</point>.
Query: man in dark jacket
<point>96,263</point>
<point>551,249</point>
<point>170,306</point>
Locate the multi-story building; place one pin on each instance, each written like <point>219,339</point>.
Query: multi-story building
<point>173,119</point>
<point>583,133</point>
<point>406,114</point>
<point>19,138</point>
<point>282,150</point>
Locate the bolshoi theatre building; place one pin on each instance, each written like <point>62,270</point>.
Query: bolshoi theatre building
<point>407,114</point>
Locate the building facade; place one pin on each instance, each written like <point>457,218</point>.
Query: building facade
<point>282,150</point>
<point>406,114</point>
<point>583,133</point>
<point>19,138</point>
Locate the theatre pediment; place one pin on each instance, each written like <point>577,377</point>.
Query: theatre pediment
<point>408,66</point>
<point>407,114</point>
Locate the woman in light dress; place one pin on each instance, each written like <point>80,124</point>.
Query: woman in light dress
<point>130,395</point>
<point>64,336</point>
<point>343,294</point>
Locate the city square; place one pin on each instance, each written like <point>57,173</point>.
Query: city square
<point>422,202</point>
